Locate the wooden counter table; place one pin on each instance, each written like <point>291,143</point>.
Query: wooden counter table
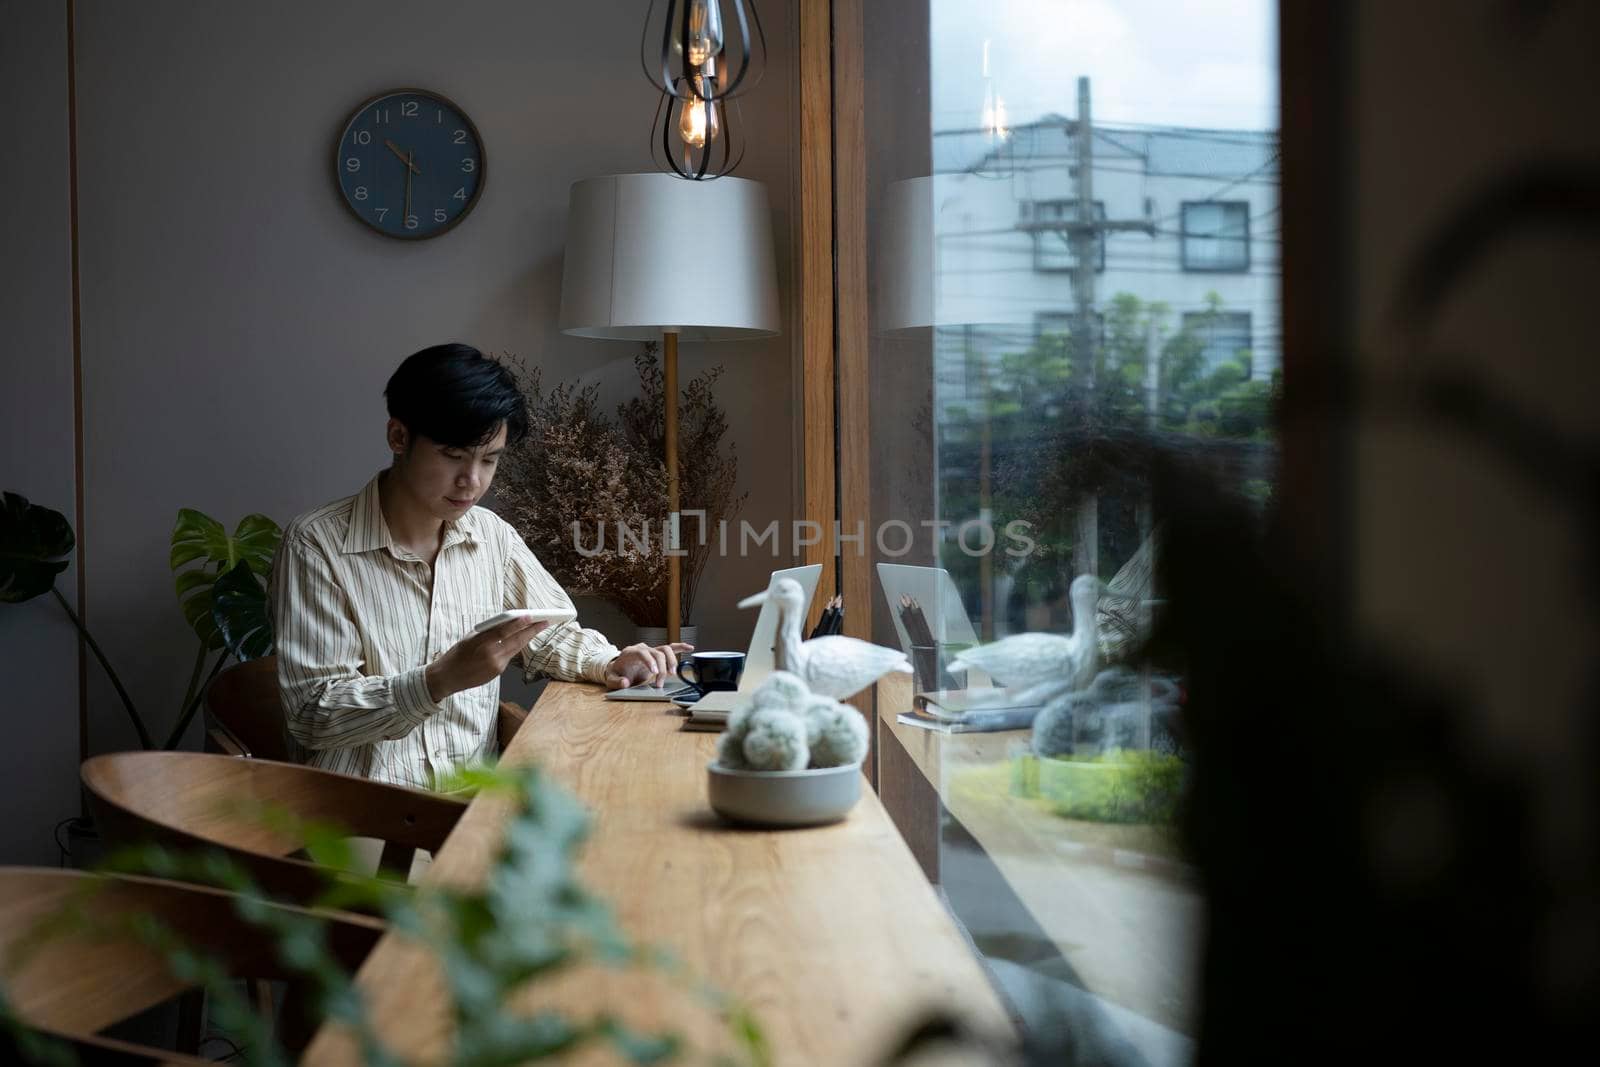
<point>831,935</point>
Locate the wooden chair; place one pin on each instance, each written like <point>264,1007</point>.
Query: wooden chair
<point>510,720</point>
<point>244,711</point>
<point>192,801</point>
<point>75,983</point>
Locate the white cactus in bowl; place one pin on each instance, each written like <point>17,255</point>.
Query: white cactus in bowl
<point>784,726</point>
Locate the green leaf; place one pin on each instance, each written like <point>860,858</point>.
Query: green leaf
<point>197,536</point>
<point>34,544</point>
<point>747,1031</point>
<point>202,551</point>
<point>255,540</point>
<point>505,1040</point>
<point>239,613</point>
<point>640,1047</point>
<point>196,607</point>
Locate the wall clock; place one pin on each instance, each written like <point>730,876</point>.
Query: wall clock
<point>409,163</point>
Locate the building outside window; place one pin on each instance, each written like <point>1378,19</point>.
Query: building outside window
<point>1216,236</point>
<point>1062,323</point>
<point>1223,334</point>
<point>1047,220</point>
<point>1055,839</point>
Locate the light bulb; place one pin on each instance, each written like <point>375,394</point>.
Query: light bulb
<point>705,31</point>
<point>994,107</point>
<point>698,123</point>
<point>995,121</point>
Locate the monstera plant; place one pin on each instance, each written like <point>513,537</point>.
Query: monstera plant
<point>219,580</point>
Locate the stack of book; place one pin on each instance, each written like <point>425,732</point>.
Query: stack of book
<point>707,720</point>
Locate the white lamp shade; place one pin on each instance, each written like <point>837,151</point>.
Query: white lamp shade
<point>934,270</point>
<point>648,253</point>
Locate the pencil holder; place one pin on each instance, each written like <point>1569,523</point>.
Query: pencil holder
<point>925,667</point>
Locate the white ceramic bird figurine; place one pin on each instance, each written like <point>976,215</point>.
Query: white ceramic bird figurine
<point>832,666</point>
<point>1044,664</point>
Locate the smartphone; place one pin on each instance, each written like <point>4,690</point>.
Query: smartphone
<point>554,616</point>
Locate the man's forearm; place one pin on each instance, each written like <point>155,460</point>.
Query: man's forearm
<point>572,654</point>
<point>345,712</point>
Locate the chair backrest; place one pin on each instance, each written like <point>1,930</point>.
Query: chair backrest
<point>194,800</point>
<point>86,975</point>
<point>244,702</point>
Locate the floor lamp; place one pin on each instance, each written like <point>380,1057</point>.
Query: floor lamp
<point>653,257</point>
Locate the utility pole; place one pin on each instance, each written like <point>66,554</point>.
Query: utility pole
<point>1081,238</point>
<point>1084,232</point>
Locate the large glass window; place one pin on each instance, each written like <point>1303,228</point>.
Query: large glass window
<point>1051,223</point>
<point>1224,337</point>
<point>1026,361</point>
<point>1216,236</point>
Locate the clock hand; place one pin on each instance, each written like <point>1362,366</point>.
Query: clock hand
<point>410,166</point>
<point>404,156</point>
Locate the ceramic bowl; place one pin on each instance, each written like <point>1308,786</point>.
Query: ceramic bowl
<point>784,798</point>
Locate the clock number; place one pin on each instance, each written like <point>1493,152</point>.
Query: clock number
<point>408,108</point>
<point>411,222</point>
<point>461,137</point>
<point>438,116</point>
<point>361,137</point>
<point>382,211</point>
<point>466,165</point>
<point>380,114</point>
<point>352,164</point>
<point>439,215</point>
<point>459,194</point>
<point>361,192</point>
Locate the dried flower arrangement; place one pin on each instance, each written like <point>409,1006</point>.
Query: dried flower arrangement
<point>578,473</point>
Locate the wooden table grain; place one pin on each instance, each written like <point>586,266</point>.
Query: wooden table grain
<point>831,935</point>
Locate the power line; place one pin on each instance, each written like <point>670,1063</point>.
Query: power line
<point>1181,133</point>
<point>1145,172</point>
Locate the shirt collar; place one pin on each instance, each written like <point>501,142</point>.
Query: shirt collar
<point>369,531</point>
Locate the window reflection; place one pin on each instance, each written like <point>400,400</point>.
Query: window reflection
<point>1057,293</point>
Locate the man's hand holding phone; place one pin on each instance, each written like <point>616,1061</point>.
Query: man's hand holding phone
<point>480,658</point>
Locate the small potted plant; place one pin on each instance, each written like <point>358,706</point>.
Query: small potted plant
<point>789,757</point>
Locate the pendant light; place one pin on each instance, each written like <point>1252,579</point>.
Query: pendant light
<point>701,55</point>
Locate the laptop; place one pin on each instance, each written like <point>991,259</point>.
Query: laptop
<point>935,592</point>
<point>758,659</point>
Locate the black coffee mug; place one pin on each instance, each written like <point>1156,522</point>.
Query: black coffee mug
<point>713,671</point>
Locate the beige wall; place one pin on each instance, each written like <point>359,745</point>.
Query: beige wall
<point>239,325</point>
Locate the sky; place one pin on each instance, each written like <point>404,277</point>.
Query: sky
<point>1203,63</point>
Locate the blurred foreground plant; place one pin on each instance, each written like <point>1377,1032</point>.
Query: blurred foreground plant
<point>531,918</point>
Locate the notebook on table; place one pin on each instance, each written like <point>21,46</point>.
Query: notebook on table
<point>672,690</point>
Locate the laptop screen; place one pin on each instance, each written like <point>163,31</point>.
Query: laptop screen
<point>758,661</point>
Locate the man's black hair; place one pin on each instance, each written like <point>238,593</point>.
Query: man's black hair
<point>457,396</point>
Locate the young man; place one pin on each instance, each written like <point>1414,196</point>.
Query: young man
<point>374,597</point>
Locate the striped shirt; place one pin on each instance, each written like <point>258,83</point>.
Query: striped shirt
<point>358,618</point>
